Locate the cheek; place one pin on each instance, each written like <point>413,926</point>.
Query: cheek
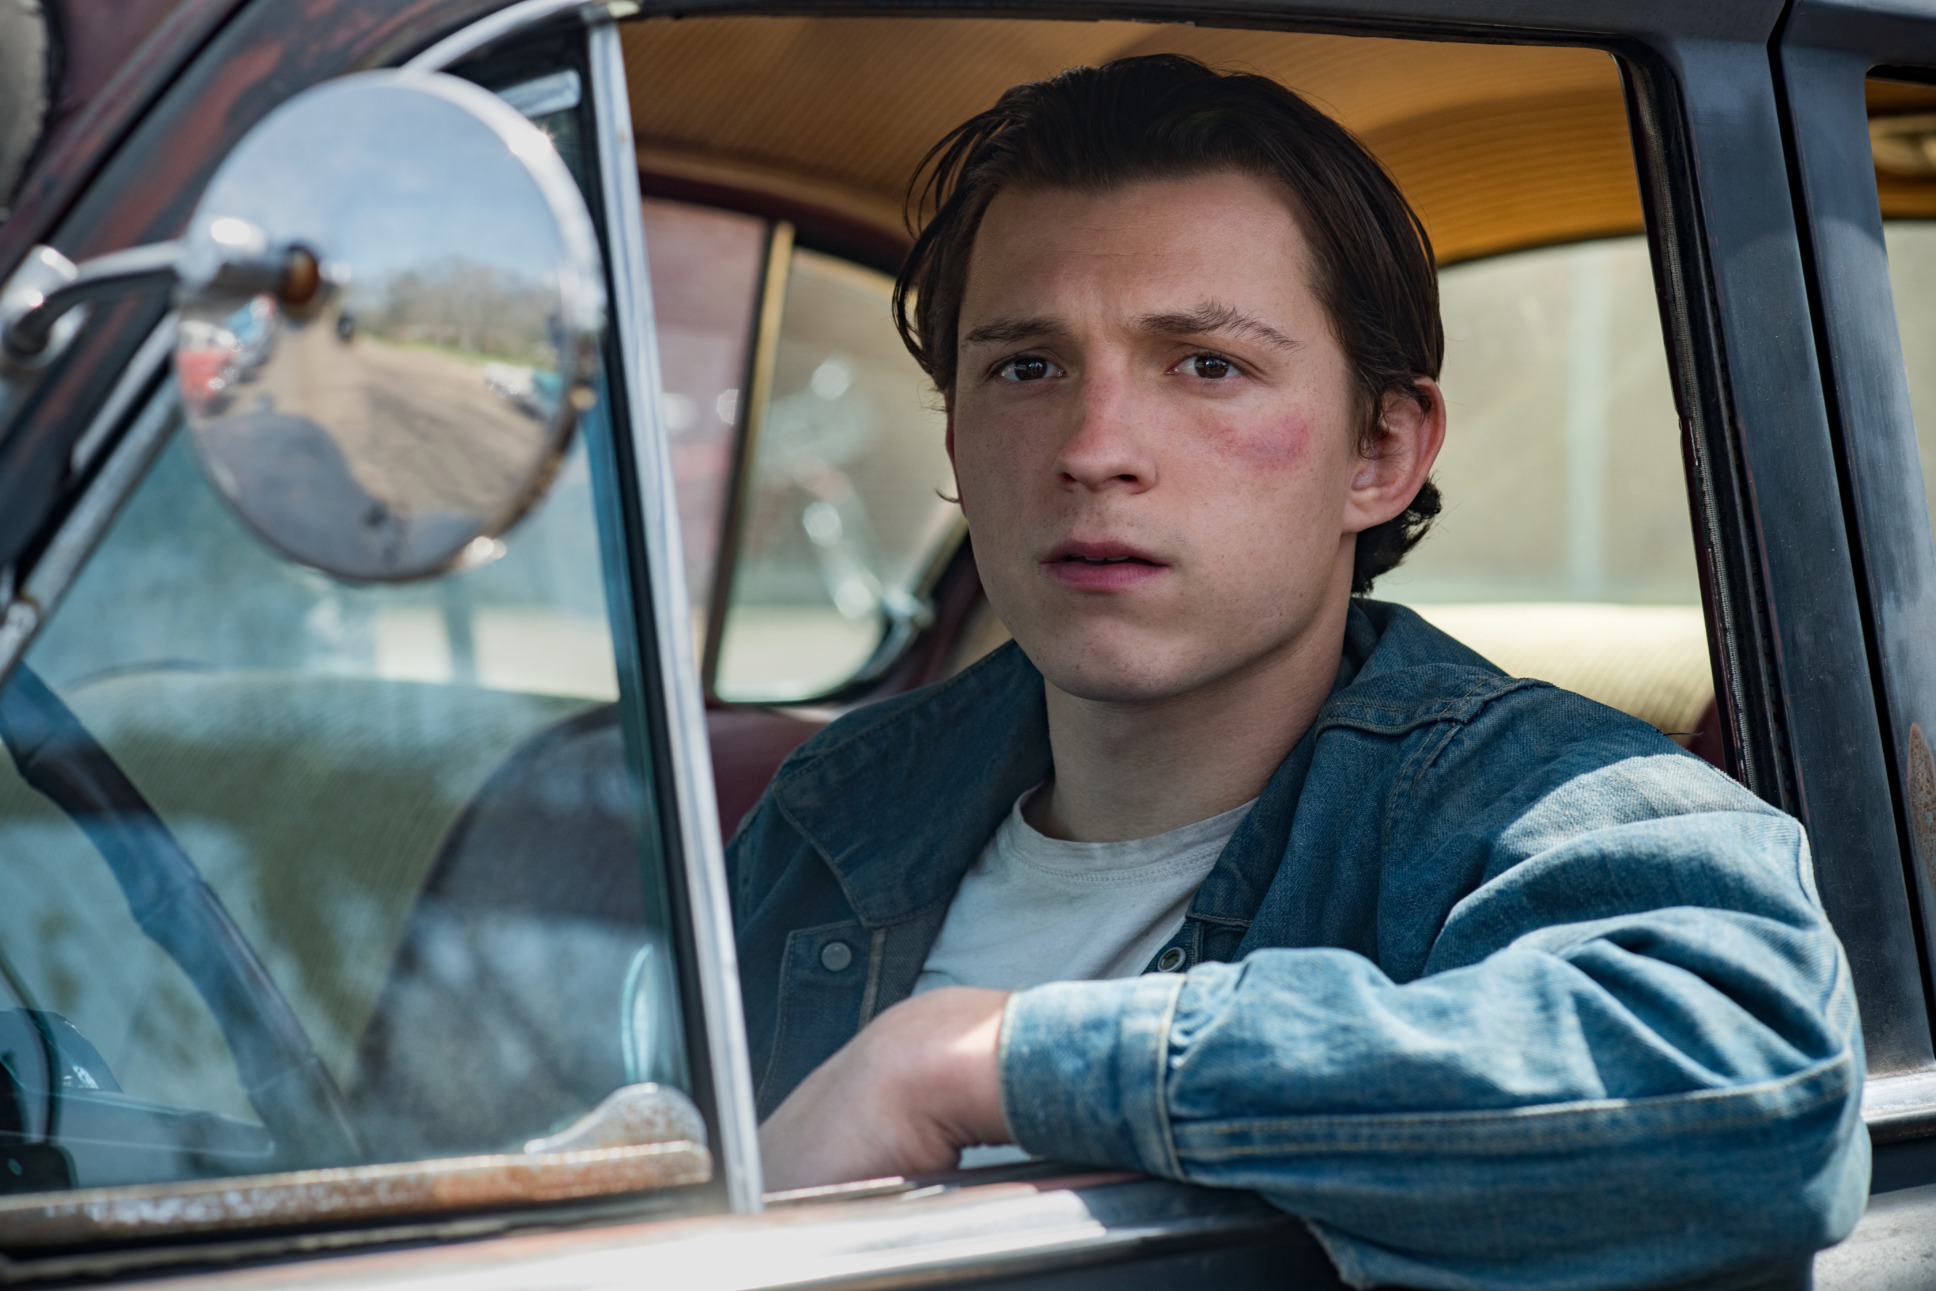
<point>996,451</point>
<point>992,468</point>
<point>1278,487</point>
<point>1271,444</point>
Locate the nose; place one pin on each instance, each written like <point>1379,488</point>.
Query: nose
<point>1105,448</point>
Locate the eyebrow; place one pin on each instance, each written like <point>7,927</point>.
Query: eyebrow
<point>1211,316</point>
<point>1216,316</point>
<point>1005,330</point>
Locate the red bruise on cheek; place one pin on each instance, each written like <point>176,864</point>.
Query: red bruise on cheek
<point>1273,444</point>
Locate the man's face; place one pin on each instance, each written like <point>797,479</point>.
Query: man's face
<point>1154,433</point>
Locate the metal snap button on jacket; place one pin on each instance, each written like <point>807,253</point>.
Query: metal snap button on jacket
<point>835,955</point>
<point>1171,961</point>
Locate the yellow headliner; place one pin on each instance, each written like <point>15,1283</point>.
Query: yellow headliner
<point>1498,146</point>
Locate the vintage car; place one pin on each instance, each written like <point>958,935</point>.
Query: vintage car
<point>451,452</point>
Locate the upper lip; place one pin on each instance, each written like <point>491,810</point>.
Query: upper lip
<point>1073,549</point>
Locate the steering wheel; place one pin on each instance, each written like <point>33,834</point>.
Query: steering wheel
<point>286,1082</point>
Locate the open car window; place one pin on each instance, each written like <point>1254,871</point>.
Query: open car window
<point>1565,550</point>
<point>707,267</point>
<point>807,447</point>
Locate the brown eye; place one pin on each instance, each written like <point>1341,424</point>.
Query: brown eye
<point>1027,368</point>
<point>1211,367</point>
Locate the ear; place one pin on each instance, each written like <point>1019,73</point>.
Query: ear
<point>1389,477</point>
<point>950,439</point>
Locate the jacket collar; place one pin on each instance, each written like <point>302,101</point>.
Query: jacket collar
<point>902,804</point>
<point>905,796</point>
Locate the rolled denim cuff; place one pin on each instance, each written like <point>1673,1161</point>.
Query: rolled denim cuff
<point>1083,1067</point>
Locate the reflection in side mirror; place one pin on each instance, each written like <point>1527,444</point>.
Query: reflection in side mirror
<point>409,400</point>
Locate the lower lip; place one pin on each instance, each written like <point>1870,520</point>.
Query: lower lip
<point>1102,578</point>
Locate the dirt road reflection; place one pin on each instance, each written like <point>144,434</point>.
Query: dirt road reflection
<point>377,459</point>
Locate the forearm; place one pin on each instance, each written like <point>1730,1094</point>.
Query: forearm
<point>1411,1121</point>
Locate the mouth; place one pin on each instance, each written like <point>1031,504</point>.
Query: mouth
<point>1101,566</point>
<point>1100,553</point>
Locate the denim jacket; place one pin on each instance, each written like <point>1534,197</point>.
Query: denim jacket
<point>1494,986</point>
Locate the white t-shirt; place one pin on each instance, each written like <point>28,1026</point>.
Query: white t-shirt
<point>1036,909</point>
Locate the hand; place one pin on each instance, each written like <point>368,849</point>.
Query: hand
<point>918,1084</point>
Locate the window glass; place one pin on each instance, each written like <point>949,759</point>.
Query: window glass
<point>415,804</point>
<point>1565,549</point>
<point>706,266</point>
<point>843,509</point>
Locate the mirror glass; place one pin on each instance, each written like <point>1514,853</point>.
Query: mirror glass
<point>412,411</point>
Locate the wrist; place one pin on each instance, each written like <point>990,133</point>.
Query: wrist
<point>956,1083</point>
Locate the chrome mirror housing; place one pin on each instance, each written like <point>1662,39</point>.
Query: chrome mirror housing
<point>391,302</point>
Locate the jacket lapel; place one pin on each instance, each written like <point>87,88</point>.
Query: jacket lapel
<point>1228,901</point>
<point>901,807</point>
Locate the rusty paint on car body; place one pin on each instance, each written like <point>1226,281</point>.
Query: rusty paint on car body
<point>345,1194</point>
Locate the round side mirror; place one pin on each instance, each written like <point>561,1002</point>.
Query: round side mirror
<point>391,302</point>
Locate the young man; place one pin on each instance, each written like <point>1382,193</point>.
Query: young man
<point>1221,872</point>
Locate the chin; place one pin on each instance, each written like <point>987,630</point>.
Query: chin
<point>1114,671</point>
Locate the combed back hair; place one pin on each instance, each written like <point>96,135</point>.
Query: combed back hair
<point>1163,117</point>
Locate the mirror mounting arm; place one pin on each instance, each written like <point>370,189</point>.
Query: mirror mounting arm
<point>48,286</point>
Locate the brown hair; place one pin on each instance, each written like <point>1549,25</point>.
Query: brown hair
<point>1164,116</point>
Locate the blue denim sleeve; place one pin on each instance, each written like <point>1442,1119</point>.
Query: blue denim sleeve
<point>1633,1057</point>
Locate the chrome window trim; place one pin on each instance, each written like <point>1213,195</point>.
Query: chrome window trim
<point>691,762</point>
<point>508,21</point>
<point>47,582</point>
<point>1900,1107</point>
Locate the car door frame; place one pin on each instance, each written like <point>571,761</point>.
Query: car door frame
<point>1827,50</point>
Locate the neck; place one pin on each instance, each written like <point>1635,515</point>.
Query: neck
<point>1132,769</point>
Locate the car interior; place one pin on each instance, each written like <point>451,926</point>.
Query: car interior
<point>421,802</point>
